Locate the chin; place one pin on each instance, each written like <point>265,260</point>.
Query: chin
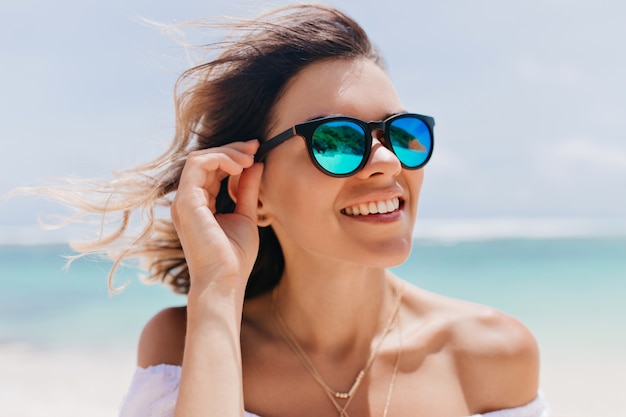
<point>392,254</point>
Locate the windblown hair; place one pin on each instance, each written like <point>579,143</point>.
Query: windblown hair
<point>230,98</point>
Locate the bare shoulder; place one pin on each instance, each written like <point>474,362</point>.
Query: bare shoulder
<point>495,355</point>
<point>162,340</point>
<point>497,358</point>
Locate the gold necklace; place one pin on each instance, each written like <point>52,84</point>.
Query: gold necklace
<point>348,395</point>
<point>395,369</point>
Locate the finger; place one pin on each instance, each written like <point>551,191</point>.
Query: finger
<point>249,148</point>
<point>202,170</point>
<point>212,159</point>
<point>200,181</point>
<point>207,156</point>
<point>248,191</point>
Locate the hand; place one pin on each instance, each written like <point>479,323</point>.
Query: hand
<point>220,249</point>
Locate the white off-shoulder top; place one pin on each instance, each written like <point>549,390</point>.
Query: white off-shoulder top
<point>153,393</point>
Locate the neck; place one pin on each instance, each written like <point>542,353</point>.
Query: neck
<point>335,309</point>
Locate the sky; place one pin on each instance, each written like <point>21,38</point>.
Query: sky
<point>529,99</point>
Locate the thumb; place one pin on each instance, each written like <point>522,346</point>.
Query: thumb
<point>248,191</point>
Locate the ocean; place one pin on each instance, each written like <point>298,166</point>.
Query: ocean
<point>570,292</point>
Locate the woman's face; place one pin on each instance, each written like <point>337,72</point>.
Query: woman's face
<point>310,211</point>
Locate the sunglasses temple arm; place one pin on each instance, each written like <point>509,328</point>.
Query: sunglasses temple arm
<point>272,143</point>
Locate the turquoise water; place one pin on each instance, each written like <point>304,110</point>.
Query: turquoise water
<point>45,305</point>
<point>568,291</point>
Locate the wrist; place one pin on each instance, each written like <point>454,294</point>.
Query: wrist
<point>215,302</point>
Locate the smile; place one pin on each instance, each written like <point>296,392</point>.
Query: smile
<point>373,207</point>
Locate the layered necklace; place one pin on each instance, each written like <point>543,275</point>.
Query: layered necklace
<point>333,395</point>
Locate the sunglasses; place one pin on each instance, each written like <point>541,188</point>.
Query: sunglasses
<point>340,146</point>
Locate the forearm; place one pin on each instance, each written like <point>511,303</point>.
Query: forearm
<point>220,250</point>
<point>211,379</point>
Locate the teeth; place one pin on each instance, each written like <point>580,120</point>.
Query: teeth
<point>374,207</point>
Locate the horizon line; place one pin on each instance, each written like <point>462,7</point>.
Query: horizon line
<point>432,229</point>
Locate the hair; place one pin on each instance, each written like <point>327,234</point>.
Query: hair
<point>226,99</point>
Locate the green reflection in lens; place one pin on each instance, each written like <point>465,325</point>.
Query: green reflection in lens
<point>339,146</point>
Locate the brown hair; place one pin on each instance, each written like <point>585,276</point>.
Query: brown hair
<point>227,99</point>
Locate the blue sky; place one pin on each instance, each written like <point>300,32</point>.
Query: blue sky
<point>529,97</point>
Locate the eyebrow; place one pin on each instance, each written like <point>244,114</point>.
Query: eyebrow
<point>394,114</point>
<point>321,116</point>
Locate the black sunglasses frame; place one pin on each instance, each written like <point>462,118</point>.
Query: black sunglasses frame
<point>305,130</point>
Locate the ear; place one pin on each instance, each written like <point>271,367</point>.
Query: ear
<point>233,190</point>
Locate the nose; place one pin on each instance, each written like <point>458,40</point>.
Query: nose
<point>382,160</point>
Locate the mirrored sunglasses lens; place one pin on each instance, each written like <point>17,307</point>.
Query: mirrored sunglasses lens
<point>411,141</point>
<point>339,146</point>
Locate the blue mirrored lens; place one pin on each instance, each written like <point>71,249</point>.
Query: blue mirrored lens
<point>411,141</point>
<point>339,146</point>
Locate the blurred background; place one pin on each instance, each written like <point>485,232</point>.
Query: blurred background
<point>523,207</point>
<point>528,97</point>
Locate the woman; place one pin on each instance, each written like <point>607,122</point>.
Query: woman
<point>281,237</point>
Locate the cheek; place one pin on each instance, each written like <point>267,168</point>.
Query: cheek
<point>300,212</point>
<point>294,191</point>
<point>415,181</point>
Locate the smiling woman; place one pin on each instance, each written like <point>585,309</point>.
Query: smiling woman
<point>284,256</point>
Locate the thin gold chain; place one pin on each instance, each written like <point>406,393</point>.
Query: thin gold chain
<point>306,361</point>
<point>395,368</point>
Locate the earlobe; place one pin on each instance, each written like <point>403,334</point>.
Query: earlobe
<point>263,220</point>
